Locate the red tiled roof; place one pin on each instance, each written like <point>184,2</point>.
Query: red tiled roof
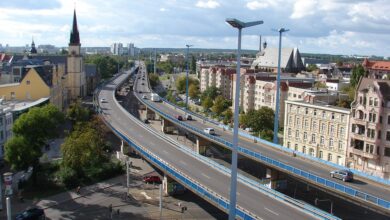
<point>377,65</point>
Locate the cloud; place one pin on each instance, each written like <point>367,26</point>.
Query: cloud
<point>303,8</point>
<point>254,5</point>
<point>163,9</point>
<point>208,4</point>
<point>30,4</point>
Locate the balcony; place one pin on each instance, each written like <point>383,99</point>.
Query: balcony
<point>365,154</point>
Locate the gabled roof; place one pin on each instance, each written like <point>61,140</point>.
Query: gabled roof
<point>269,57</point>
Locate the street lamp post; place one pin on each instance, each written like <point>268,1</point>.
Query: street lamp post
<point>233,181</point>
<point>188,49</point>
<point>276,117</point>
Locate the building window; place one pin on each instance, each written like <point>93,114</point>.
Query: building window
<point>370,102</point>
<point>28,82</point>
<point>330,157</point>
<point>331,142</point>
<point>323,114</point>
<point>306,111</point>
<point>288,144</point>
<point>340,145</point>
<point>298,121</point>
<point>305,136</point>
<point>314,126</point>
<point>320,155</point>
<point>388,119</point>
<point>369,148</point>
<point>322,128</point>
<point>297,134</point>
<point>332,116</point>
<point>342,117</point>
<point>376,102</point>
<point>331,129</point>
<point>12,95</point>
<point>311,152</point>
<point>315,112</point>
<point>289,132</point>
<point>322,140</point>
<point>372,117</point>
<point>304,149</point>
<point>313,138</point>
<point>306,123</point>
<point>296,147</point>
<point>387,152</point>
<point>388,136</point>
<point>342,132</point>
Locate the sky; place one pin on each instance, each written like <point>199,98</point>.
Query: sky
<point>346,27</point>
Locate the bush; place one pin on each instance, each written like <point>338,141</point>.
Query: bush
<point>68,177</point>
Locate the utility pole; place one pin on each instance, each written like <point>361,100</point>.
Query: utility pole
<point>155,60</point>
<point>161,201</point>
<point>8,201</point>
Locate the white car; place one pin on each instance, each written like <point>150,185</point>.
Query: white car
<point>209,131</point>
<point>103,100</point>
<point>144,97</point>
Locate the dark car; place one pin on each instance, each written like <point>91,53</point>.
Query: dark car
<point>152,179</point>
<point>31,214</point>
<point>344,175</point>
<point>142,83</point>
<point>189,117</point>
<point>146,121</point>
<point>179,117</point>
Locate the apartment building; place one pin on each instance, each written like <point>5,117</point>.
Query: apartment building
<point>369,143</point>
<point>224,80</point>
<point>317,130</point>
<point>377,69</point>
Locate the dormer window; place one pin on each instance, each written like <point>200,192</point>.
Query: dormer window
<point>28,82</point>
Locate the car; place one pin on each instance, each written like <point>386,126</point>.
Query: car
<point>209,131</point>
<point>140,91</point>
<point>142,83</point>
<point>179,117</point>
<point>144,97</point>
<point>103,100</point>
<point>146,121</point>
<point>31,214</point>
<point>152,179</point>
<point>344,175</point>
<point>189,117</point>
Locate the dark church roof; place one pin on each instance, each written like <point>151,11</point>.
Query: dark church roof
<point>74,34</point>
<point>33,49</point>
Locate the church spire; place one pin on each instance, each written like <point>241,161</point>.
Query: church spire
<point>74,34</point>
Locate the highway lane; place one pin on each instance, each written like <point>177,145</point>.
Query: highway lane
<point>321,170</point>
<point>252,200</point>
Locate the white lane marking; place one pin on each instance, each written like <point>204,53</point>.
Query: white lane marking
<point>183,162</point>
<point>271,211</point>
<point>206,176</point>
<point>146,196</point>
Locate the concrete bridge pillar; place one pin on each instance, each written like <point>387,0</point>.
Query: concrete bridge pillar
<point>150,115</point>
<point>167,126</point>
<point>277,179</point>
<point>171,187</point>
<point>201,145</point>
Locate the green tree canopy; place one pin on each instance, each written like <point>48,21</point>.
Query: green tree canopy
<point>166,67</point>
<point>107,66</point>
<point>207,103</point>
<point>181,83</point>
<point>320,85</point>
<point>193,91</point>
<point>77,113</point>
<point>193,64</point>
<point>259,120</point>
<point>357,72</point>
<point>218,106</point>
<point>311,67</point>
<point>20,154</point>
<point>228,116</point>
<point>211,92</point>
<point>83,148</point>
<point>154,79</point>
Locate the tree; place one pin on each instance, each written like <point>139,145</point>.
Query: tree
<point>207,103</point>
<point>219,106</point>
<point>228,115</point>
<point>357,72</point>
<point>154,79</point>
<point>320,85</point>
<point>267,134</point>
<point>193,91</point>
<point>311,67</point>
<point>181,83</point>
<point>211,92</point>
<point>83,148</point>
<point>107,66</point>
<point>77,113</point>
<point>20,154</point>
<point>167,67</point>
<point>193,64</point>
<point>258,120</point>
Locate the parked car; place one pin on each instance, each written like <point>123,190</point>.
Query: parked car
<point>103,100</point>
<point>209,131</point>
<point>189,117</point>
<point>144,97</point>
<point>152,179</point>
<point>179,117</point>
<point>31,214</point>
<point>344,175</point>
<point>146,121</point>
<point>142,83</point>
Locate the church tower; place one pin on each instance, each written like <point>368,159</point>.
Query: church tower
<point>76,73</point>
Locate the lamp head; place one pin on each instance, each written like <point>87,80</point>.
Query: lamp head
<point>239,24</point>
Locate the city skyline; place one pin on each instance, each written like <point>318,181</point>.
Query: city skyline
<point>333,26</point>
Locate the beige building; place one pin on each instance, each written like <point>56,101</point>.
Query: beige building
<point>224,79</point>
<point>369,148</point>
<point>317,130</point>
